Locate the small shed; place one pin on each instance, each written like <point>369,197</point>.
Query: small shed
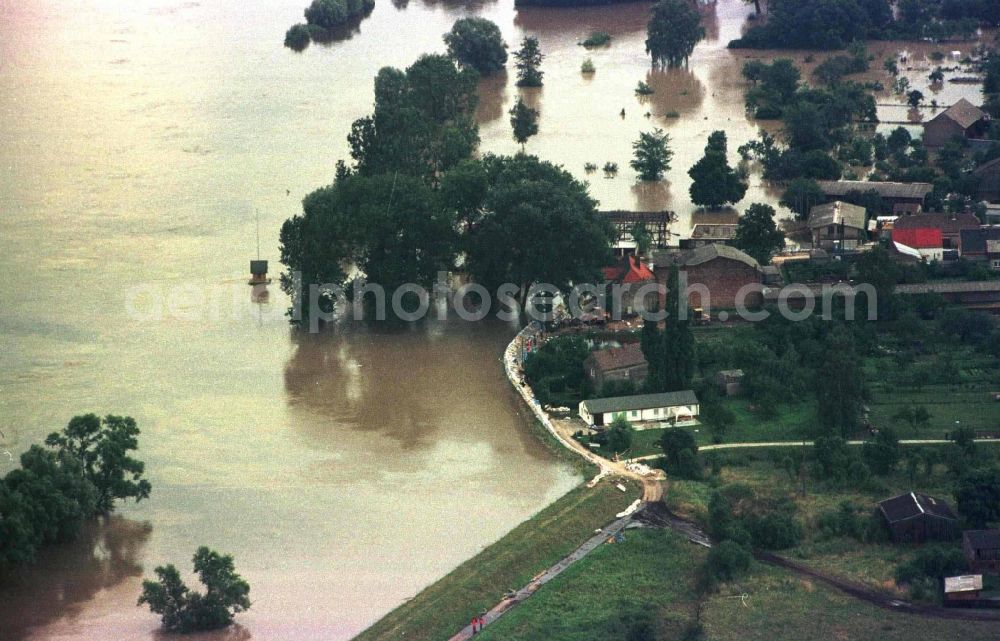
<point>962,588</point>
<point>729,381</point>
<point>982,550</point>
<point>643,410</point>
<point>916,518</point>
<point>258,272</point>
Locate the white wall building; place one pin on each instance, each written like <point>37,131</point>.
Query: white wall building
<point>643,411</point>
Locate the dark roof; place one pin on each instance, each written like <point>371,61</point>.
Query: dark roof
<point>963,113</point>
<point>640,402</point>
<point>950,287</point>
<point>947,223</point>
<point>258,266</point>
<point>840,188</point>
<point>974,240</point>
<point>908,506</point>
<point>987,166</point>
<point>982,539</point>
<point>835,213</point>
<point>613,358</point>
<point>714,231</point>
<point>703,254</point>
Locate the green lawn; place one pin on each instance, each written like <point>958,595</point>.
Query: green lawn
<point>649,577</point>
<point>780,605</point>
<point>444,607</point>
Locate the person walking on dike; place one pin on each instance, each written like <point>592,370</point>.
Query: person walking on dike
<point>475,620</point>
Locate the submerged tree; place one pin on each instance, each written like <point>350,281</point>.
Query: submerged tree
<point>673,30</point>
<point>528,62</point>
<point>523,121</point>
<point>652,155</point>
<point>184,610</point>
<point>477,43</point>
<point>103,446</point>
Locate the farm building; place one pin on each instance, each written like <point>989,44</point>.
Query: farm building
<point>982,550</point>
<point>982,244</point>
<point>629,274</point>
<point>928,241</point>
<point>626,363</point>
<point>707,233</point>
<point>950,225</point>
<point>644,410</point>
<point>916,518</point>
<point>982,295</point>
<point>657,223</point>
<point>903,198</point>
<point>837,225</point>
<point>963,119</point>
<point>716,274</point>
<point>988,174</point>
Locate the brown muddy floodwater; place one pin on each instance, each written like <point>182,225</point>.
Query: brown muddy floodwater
<point>346,471</point>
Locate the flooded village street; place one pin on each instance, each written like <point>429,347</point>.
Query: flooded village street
<point>343,471</point>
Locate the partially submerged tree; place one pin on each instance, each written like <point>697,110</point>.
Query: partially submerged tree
<point>478,44</point>
<point>523,122</point>
<point>528,62</point>
<point>714,182</point>
<point>184,610</point>
<point>673,31</point>
<point>652,155</point>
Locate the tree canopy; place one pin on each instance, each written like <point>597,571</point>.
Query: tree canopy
<point>673,30</point>
<point>523,122</point>
<point>714,182</point>
<point>652,154</point>
<point>528,62</point>
<point>757,234</point>
<point>478,44</point>
<point>184,610</point>
<point>423,122</point>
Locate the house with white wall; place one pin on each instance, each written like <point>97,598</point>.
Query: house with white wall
<point>643,411</point>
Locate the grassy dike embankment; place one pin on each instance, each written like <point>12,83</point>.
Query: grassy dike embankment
<point>441,609</point>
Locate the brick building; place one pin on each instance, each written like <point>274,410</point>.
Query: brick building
<point>963,119</point>
<point>951,226</point>
<point>716,275</point>
<point>988,174</point>
<point>982,244</point>
<point>617,364</point>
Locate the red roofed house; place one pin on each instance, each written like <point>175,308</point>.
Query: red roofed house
<point>626,363</point>
<point>631,273</point>
<point>929,241</point>
<point>963,119</point>
<point>951,226</point>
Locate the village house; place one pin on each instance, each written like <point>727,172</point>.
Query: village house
<point>982,244</point>
<point>643,411</point>
<point>988,175</point>
<point>982,550</point>
<point>707,233</point>
<point>963,119</point>
<point>837,226</point>
<point>629,274</point>
<point>950,225</point>
<point>902,198</point>
<point>916,518</point>
<point>716,275</point>
<point>617,364</point>
<point>657,223</point>
<point>927,241</point>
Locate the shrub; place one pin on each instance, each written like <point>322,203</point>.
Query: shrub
<point>596,39</point>
<point>933,562</point>
<point>587,66</point>
<point>727,561</point>
<point>297,37</point>
<point>773,530</point>
<point>643,89</point>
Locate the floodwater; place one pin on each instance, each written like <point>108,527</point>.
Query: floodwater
<point>344,471</point>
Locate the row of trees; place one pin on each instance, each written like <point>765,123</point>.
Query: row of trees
<point>476,43</point>
<point>80,473</point>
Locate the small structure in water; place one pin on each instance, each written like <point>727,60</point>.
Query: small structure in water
<point>258,272</point>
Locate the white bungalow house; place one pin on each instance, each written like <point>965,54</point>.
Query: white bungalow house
<point>643,411</point>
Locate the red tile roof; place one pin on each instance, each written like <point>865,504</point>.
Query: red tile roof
<point>630,270</point>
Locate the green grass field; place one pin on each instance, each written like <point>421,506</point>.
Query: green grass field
<point>441,609</point>
<point>649,577</point>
